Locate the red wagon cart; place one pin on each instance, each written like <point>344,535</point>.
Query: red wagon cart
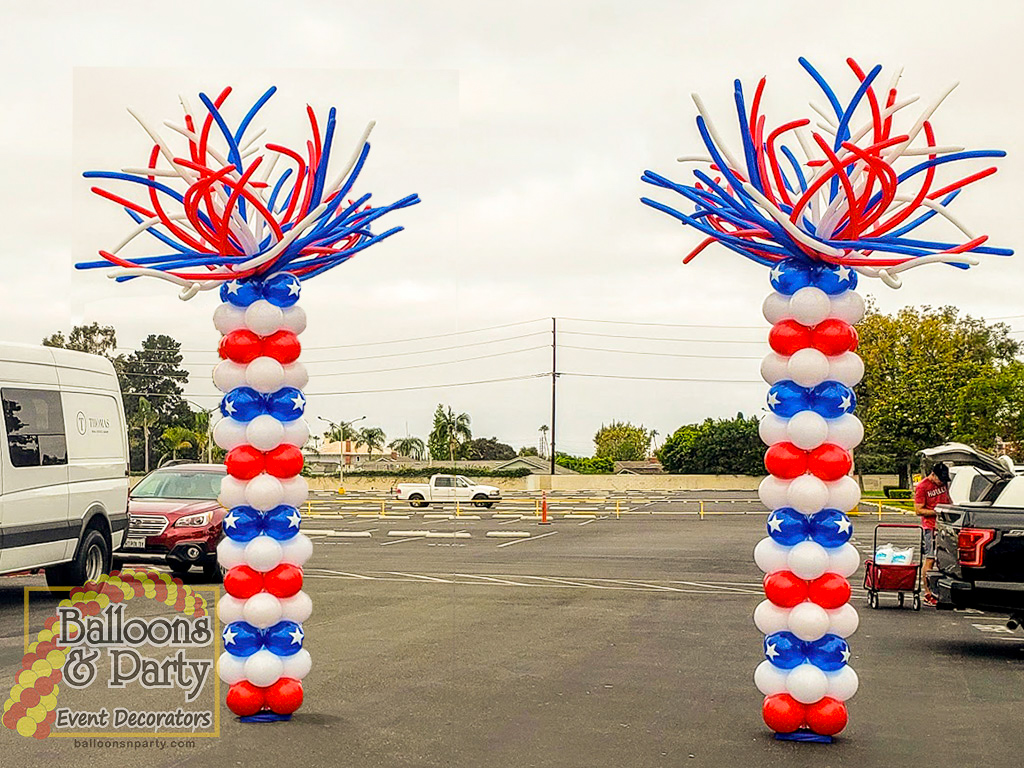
<point>897,578</point>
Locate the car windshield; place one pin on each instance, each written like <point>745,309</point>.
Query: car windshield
<point>178,484</point>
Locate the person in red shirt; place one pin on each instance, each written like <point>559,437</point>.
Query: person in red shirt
<point>931,491</point>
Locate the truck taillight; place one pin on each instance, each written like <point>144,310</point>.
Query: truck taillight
<point>971,545</point>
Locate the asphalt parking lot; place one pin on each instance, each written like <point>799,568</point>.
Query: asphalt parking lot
<point>596,641</point>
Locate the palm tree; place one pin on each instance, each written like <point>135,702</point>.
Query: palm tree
<point>455,431</point>
<point>341,432</point>
<point>202,435</point>
<point>654,441</point>
<point>543,441</point>
<point>177,438</point>
<point>371,437</point>
<point>412,447</point>
<point>145,417</point>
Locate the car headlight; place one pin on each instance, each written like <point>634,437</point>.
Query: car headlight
<point>194,521</point>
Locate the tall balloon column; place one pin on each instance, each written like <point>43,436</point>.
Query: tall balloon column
<point>848,203</point>
<point>225,220</point>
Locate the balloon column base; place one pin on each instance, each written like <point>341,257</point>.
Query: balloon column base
<point>804,736</point>
<point>264,717</point>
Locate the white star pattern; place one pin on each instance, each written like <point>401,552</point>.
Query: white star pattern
<point>845,403</point>
<point>229,636</point>
<point>844,273</point>
<point>230,520</point>
<point>298,402</point>
<point>773,399</point>
<point>846,655</point>
<point>229,407</point>
<point>843,525</point>
<point>294,519</point>
<point>770,651</point>
<point>293,288</point>
<point>774,524</point>
<point>296,635</point>
<point>776,272</point>
<point>233,287</point>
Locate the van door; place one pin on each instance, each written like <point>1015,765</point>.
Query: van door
<point>34,525</point>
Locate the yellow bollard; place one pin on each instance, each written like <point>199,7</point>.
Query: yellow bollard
<point>457,510</point>
<point>702,509</point>
<point>616,509</point>
<point>536,507</point>
<point>309,506</point>
<point>383,512</point>
<point>879,511</point>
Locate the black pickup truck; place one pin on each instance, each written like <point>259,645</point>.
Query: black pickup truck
<point>979,542</point>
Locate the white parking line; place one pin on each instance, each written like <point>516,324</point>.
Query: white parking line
<point>399,541</point>
<point>419,576</point>
<point>532,538</point>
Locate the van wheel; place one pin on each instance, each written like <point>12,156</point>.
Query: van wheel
<point>92,560</point>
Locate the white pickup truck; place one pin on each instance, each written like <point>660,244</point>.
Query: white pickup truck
<point>450,488</point>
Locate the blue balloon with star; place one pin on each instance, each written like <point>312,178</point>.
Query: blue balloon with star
<point>787,526</point>
<point>239,293</point>
<point>282,522</point>
<point>241,639</point>
<point>832,399</point>
<point>790,275</point>
<point>786,399</point>
<point>242,523</point>
<point>284,638</point>
<point>828,653</point>
<point>282,289</point>
<point>830,528</point>
<point>287,404</point>
<point>243,404</point>
<point>784,649</point>
<point>834,280</point>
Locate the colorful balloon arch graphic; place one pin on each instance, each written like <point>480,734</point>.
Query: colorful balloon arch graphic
<point>222,217</point>
<point>852,206</point>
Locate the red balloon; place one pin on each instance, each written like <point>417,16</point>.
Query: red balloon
<point>785,589</point>
<point>284,581</point>
<point>785,460</point>
<point>788,336</point>
<point>827,716</point>
<point>283,461</point>
<point>283,346</point>
<point>834,336</point>
<point>243,582</point>
<point>829,462</point>
<point>830,590</point>
<point>244,462</point>
<point>285,696</point>
<point>245,699</point>
<point>782,713</point>
<point>240,346</point>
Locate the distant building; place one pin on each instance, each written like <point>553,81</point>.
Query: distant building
<point>324,460</point>
<point>536,465</point>
<point>649,467</point>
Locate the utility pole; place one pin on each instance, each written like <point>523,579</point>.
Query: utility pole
<point>554,376</point>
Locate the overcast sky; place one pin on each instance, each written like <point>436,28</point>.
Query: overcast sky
<point>525,128</point>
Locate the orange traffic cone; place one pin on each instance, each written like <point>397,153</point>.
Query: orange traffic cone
<point>544,508</point>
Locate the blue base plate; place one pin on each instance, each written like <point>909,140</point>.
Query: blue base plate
<point>804,736</point>
<point>264,717</point>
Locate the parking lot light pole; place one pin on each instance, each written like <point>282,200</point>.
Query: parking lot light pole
<point>341,445</point>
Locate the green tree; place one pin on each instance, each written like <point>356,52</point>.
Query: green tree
<point>622,441</point>
<point>990,411</point>
<point>450,434</point>
<point>488,448</point>
<point>715,447</point>
<point>373,438</point>
<point>341,432</point>
<point>94,338</point>
<point>145,418</point>
<point>529,450</point>
<point>585,465</point>
<point>178,439</point>
<point>154,371</point>
<point>413,447</point>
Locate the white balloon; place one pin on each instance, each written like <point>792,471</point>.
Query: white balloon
<point>776,307</point>
<point>843,621</point>
<point>848,306</point>
<point>296,608</point>
<point>773,492</point>
<point>807,430</point>
<point>808,621</point>
<point>769,679</point>
<point>264,492</point>
<point>263,668</point>
<point>808,560</point>
<point>770,618</point>
<point>230,553</point>
<point>769,555</point>
<point>296,432</point>
<point>263,553</point>
<point>843,494</point>
<point>263,318</point>
<point>772,429</point>
<point>806,683</point>
<point>294,319</point>
<point>264,432</point>
<point>774,367</point>
<point>297,665</point>
<point>842,683</point>
<point>228,318</point>
<point>228,433</point>
<point>807,494</point>
<point>847,431</point>
<point>230,669</point>
<point>807,367</point>
<point>228,375</point>
<point>262,610</point>
<point>297,550</point>
<point>296,375</point>
<point>232,492</point>
<point>264,374</point>
<point>846,368</point>
<point>229,608</point>
<point>844,560</point>
<point>295,491</point>
<point>809,306</point>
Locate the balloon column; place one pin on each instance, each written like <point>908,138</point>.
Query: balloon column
<point>224,221</point>
<point>851,207</point>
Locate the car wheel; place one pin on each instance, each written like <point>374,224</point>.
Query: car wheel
<point>417,501</point>
<point>92,560</point>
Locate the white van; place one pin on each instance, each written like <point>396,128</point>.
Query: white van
<point>63,463</point>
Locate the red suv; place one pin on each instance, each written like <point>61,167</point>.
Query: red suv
<point>174,518</point>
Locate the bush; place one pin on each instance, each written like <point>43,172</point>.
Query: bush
<point>586,466</point>
<point>894,492</point>
<point>407,472</point>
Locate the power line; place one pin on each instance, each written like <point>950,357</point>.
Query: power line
<point>660,378</point>
<point>664,354</point>
<point>655,338</point>
<point>431,365</point>
<point>665,325</point>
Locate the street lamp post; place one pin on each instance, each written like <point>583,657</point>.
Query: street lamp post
<point>341,444</point>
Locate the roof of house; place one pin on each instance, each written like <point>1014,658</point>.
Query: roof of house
<point>536,465</point>
<point>648,467</point>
